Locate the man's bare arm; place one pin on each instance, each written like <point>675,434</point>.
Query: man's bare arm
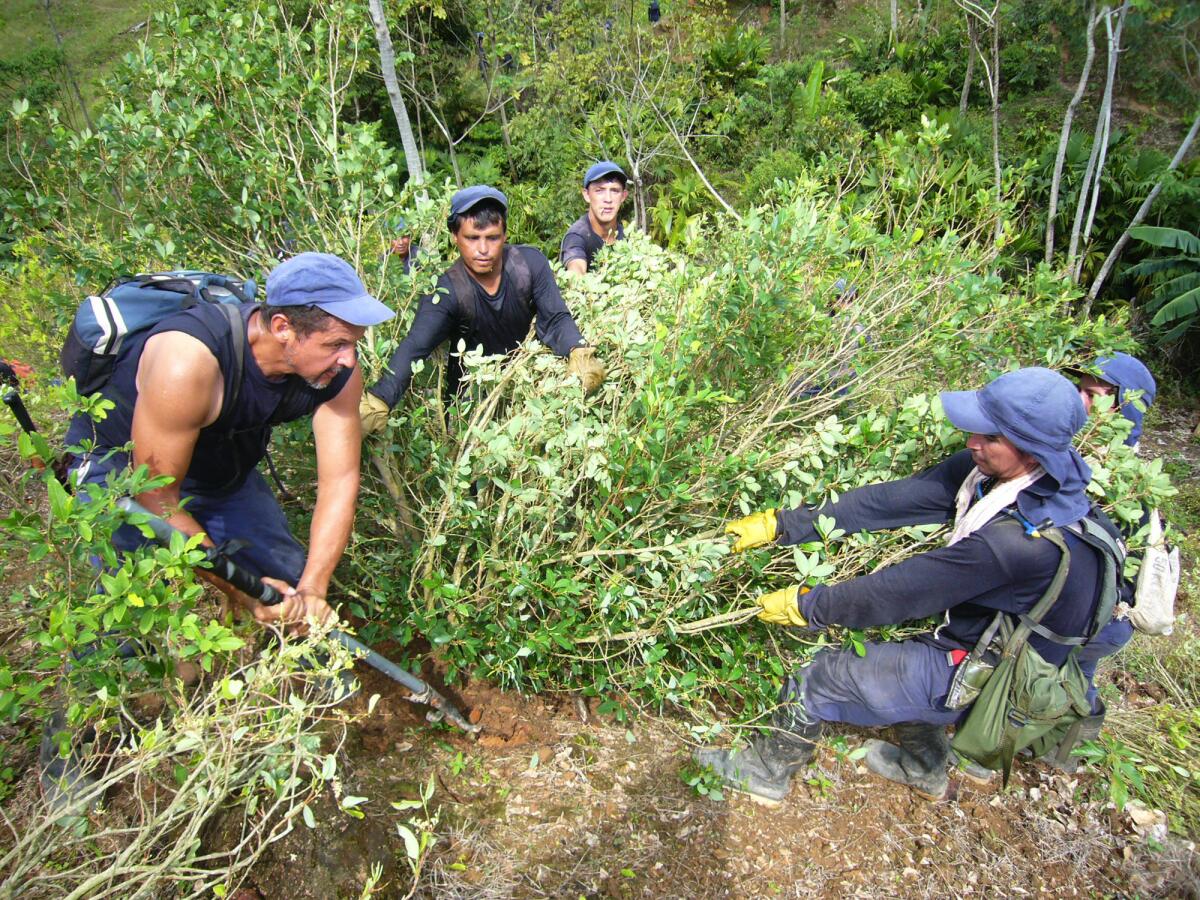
<point>339,446</point>
<point>180,390</point>
<point>577,266</point>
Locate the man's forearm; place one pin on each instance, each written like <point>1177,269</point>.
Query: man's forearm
<point>332,520</point>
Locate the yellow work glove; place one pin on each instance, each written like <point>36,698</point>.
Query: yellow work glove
<point>781,607</point>
<point>373,412</point>
<point>583,363</point>
<point>753,531</point>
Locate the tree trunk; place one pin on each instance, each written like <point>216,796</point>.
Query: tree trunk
<point>1063,140</point>
<point>387,61</point>
<point>895,11</point>
<point>782,23</point>
<point>1085,185</point>
<point>1114,58</point>
<point>1138,217</point>
<point>994,80</point>
<point>972,49</point>
<point>508,149</point>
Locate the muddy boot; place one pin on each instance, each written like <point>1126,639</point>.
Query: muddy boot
<point>971,770</point>
<point>64,782</point>
<point>919,761</point>
<point>1087,729</point>
<point>763,770</point>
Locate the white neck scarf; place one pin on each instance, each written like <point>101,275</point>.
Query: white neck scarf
<point>970,518</point>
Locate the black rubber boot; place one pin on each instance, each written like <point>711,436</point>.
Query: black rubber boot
<point>764,770</point>
<point>971,770</point>
<point>65,782</point>
<point>919,761</point>
<point>1086,729</point>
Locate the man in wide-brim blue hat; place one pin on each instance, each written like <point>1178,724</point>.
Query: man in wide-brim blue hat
<point>1126,379</point>
<point>1019,464</point>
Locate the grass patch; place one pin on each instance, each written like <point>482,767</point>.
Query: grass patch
<point>94,35</point>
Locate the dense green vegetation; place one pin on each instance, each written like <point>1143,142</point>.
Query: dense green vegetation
<point>529,536</point>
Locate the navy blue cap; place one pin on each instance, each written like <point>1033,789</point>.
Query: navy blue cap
<point>1126,373</point>
<point>1040,412</point>
<point>327,282</point>
<point>602,168</point>
<point>469,196</point>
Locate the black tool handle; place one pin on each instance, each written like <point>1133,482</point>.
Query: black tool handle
<point>13,401</point>
<point>222,566</point>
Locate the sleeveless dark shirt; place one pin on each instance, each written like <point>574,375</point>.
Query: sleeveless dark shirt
<point>228,449</point>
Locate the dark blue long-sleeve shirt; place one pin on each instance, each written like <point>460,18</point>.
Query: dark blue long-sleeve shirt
<point>998,567</point>
<point>500,323</point>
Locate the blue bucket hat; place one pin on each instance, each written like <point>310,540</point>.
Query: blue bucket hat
<point>602,168</point>
<point>1040,412</point>
<point>476,193</point>
<point>327,282</point>
<point>1125,373</point>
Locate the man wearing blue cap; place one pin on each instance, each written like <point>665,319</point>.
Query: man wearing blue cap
<point>1124,378</point>
<point>604,190</point>
<point>1019,464</point>
<point>199,400</point>
<point>488,298</point>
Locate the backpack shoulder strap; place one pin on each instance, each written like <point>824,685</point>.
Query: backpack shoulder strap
<point>1031,622</point>
<point>237,332</point>
<point>463,286</point>
<point>517,269</point>
<point>1112,554</point>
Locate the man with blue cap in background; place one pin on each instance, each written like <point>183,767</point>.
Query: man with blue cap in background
<point>1019,467</point>
<point>1118,376</point>
<point>199,402</point>
<point>604,190</point>
<point>488,298</point>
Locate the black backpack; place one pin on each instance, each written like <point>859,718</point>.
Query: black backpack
<point>516,270</point>
<point>132,304</point>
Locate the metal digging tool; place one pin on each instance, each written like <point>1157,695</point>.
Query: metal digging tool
<point>225,568</point>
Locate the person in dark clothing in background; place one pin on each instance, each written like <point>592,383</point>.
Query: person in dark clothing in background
<point>400,247</point>
<point>604,190</point>
<point>1019,466</point>
<point>488,298</point>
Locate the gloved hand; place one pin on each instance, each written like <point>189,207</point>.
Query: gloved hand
<point>782,607</point>
<point>583,363</point>
<point>753,531</point>
<point>373,412</point>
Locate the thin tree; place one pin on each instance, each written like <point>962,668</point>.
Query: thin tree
<point>1138,217</point>
<point>972,49</point>
<point>387,62</point>
<point>1095,165</point>
<point>1068,118</point>
<point>991,68</point>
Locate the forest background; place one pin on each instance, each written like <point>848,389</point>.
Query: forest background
<point>842,208</point>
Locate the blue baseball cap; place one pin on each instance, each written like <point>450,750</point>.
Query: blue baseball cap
<point>469,196</point>
<point>1040,412</point>
<point>327,282</point>
<point>1125,373</point>
<point>600,169</point>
